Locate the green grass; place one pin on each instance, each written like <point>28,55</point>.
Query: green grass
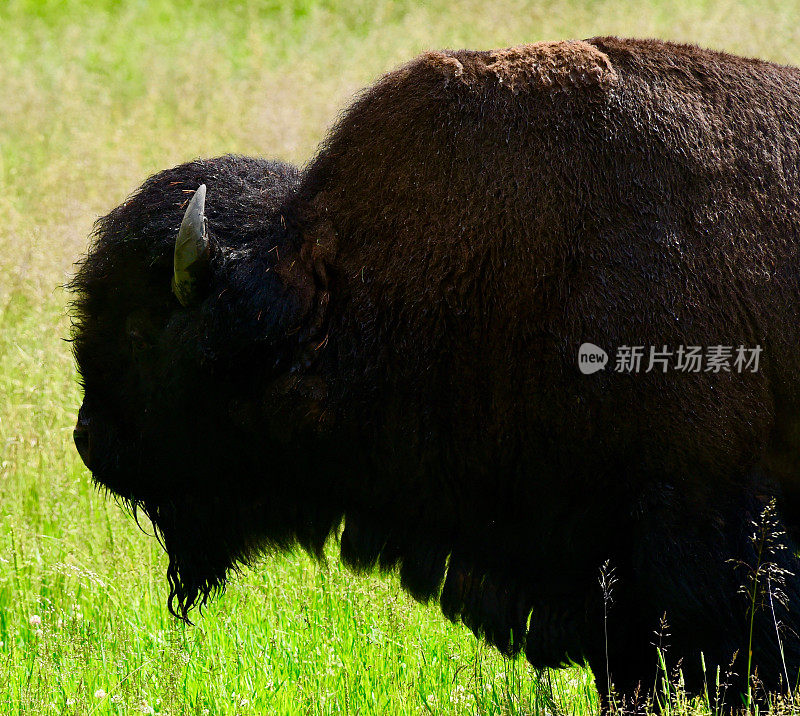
<point>95,96</point>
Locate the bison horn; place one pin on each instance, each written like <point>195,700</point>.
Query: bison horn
<point>191,251</point>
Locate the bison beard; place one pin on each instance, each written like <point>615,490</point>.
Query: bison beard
<point>207,540</point>
<point>387,341</point>
<point>208,534</point>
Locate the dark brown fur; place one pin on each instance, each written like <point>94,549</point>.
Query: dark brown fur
<point>474,218</point>
<point>479,216</point>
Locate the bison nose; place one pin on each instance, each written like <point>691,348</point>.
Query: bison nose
<point>83,441</point>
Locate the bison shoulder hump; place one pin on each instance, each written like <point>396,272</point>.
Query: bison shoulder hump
<point>540,66</point>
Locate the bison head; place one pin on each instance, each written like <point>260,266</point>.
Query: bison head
<point>195,324</point>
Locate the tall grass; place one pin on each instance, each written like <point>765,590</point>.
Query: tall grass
<point>94,96</point>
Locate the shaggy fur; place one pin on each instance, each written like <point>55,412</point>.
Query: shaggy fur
<point>390,339</point>
<point>171,394</point>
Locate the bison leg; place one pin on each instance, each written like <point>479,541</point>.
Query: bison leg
<point>712,581</point>
<point>620,651</point>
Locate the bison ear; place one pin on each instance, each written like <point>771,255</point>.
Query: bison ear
<point>191,262</point>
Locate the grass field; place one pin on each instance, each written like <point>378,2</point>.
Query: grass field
<point>95,96</point>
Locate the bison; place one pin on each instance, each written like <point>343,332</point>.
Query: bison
<point>383,348</point>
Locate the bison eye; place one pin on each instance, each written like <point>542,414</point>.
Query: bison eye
<point>137,335</point>
<point>138,341</point>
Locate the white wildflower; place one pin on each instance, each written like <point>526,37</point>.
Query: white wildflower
<point>35,620</point>
<point>99,694</point>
